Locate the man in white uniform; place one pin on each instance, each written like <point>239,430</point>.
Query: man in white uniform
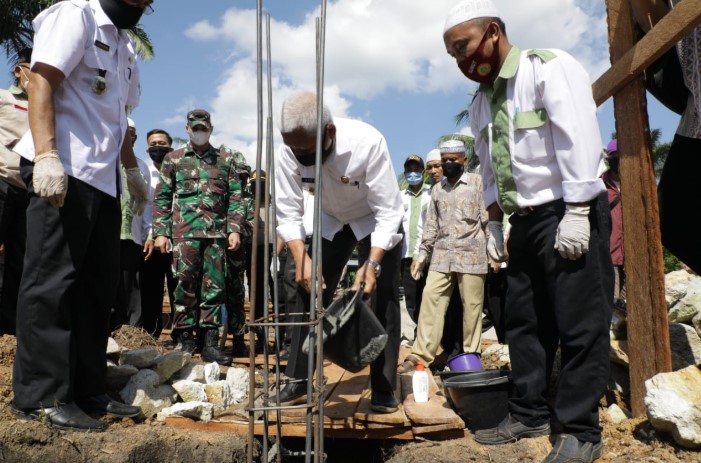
<point>539,145</point>
<point>83,76</point>
<point>361,204</point>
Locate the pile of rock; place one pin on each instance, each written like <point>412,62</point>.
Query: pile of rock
<point>171,384</point>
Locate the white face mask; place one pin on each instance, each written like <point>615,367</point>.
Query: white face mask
<point>199,138</point>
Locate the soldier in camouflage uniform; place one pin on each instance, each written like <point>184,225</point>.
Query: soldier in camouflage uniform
<point>198,205</point>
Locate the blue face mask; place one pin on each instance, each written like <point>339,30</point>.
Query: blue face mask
<point>414,178</point>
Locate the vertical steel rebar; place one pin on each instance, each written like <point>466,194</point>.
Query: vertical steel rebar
<point>254,253</point>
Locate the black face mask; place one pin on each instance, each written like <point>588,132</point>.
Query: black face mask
<point>452,169</point>
<point>123,16</point>
<point>157,153</point>
<point>309,159</point>
<point>613,165</point>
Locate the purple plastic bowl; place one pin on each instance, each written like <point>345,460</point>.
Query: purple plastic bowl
<point>469,361</point>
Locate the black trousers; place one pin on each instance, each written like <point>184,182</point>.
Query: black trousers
<point>154,271</point>
<point>13,235</point>
<point>127,307</point>
<point>550,299</point>
<point>385,303</point>
<point>679,184</point>
<point>287,289</point>
<point>70,277</point>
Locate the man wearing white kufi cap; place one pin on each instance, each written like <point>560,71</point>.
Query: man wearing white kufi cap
<point>538,141</point>
<point>454,236</point>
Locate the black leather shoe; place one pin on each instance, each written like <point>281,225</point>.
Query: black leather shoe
<point>293,393</point>
<point>68,417</point>
<point>568,449</point>
<point>105,405</point>
<point>510,430</point>
<point>383,402</point>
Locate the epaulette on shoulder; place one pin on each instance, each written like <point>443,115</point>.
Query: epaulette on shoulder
<point>544,55</point>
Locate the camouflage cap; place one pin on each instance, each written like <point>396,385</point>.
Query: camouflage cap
<point>199,117</point>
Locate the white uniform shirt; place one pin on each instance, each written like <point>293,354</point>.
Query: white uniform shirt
<point>78,39</point>
<point>406,200</point>
<point>359,188</point>
<point>561,155</point>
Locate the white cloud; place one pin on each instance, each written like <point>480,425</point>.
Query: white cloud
<point>376,45</point>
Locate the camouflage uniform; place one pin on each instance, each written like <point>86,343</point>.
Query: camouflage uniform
<point>235,269</point>
<point>198,204</point>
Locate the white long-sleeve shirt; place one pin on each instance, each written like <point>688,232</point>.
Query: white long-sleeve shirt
<point>359,188</point>
<point>551,136</point>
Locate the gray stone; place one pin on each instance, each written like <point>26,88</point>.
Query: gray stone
<point>685,345</point>
<point>696,323</point>
<point>238,379</point>
<point>190,372</point>
<point>170,364</point>
<point>688,306</point>
<point>673,403</point>
<point>117,376</point>
<point>676,284</point>
<point>112,346</point>
<point>190,391</point>
<point>143,390</point>
<point>212,373</point>
<point>201,411</point>
<point>140,358</point>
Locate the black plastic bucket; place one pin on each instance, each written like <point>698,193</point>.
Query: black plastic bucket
<point>481,398</point>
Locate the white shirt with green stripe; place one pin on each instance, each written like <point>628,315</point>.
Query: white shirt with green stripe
<point>536,132</point>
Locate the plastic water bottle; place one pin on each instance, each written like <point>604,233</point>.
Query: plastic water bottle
<point>419,383</point>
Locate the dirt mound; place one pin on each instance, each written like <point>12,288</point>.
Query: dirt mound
<point>131,337</point>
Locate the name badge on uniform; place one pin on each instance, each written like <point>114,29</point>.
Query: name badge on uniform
<point>99,84</point>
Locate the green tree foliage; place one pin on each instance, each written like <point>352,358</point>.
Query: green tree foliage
<point>16,31</point>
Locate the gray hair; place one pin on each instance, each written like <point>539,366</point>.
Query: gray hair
<point>299,112</point>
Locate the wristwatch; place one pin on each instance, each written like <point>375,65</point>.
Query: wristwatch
<point>375,265</point>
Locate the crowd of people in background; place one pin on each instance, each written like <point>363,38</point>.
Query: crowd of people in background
<point>91,236</point>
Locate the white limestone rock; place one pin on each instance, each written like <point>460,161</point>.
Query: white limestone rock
<point>190,391</point>
<point>238,379</point>
<point>673,403</point>
<point>190,372</point>
<point>143,390</point>
<point>676,284</point>
<point>212,372</point>
<point>220,395</point>
<point>617,414</point>
<point>201,411</point>
<point>688,306</point>
<point>112,346</point>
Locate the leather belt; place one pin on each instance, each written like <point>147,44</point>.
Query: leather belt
<point>524,211</point>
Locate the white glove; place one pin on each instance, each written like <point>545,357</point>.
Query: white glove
<point>417,269</point>
<point>49,179</point>
<point>138,190</point>
<point>572,238</point>
<point>495,241</point>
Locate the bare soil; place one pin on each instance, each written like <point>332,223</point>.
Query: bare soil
<point>128,441</point>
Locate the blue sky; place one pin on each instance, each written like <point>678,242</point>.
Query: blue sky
<point>385,64</point>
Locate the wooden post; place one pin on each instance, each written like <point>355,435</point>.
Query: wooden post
<point>648,326</point>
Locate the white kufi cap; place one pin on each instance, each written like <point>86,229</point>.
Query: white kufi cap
<point>433,155</point>
<point>467,10</point>
<point>452,146</point>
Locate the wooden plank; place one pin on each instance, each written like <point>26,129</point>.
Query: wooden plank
<point>334,375</point>
<point>341,405</point>
<point>259,361</point>
<point>648,329</point>
<point>365,416</point>
<point>289,430</point>
<point>631,58</point>
<point>435,411</point>
<point>456,430</point>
